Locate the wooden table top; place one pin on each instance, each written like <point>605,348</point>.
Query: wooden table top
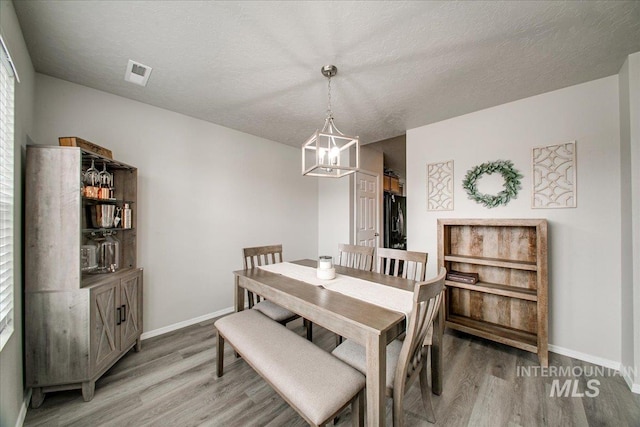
<point>365,314</point>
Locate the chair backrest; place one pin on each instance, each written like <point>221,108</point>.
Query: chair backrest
<point>360,257</point>
<point>426,303</point>
<point>261,255</point>
<point>408,264</point>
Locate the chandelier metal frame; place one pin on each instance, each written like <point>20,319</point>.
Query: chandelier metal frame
<point>329,152</point>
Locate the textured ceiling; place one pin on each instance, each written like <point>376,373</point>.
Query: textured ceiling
<point>255,66</point>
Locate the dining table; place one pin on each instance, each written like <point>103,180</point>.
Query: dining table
<point>372,326</point>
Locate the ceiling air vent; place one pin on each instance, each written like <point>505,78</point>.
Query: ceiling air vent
<point>137,73</point>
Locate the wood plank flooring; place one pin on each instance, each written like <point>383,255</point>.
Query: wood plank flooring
<point>172,382</point>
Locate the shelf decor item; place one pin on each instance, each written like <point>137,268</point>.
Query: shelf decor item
<point>508,301</point>
<point>511,183</point>
<point>440,186</point>
<point>462,277</point>
<point>553,176</point>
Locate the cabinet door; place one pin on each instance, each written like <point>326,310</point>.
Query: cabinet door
<point>131,308</point>
<point>105,340</point>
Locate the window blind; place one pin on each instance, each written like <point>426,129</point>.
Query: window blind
<point>7,81</point>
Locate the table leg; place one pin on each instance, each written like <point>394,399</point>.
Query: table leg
<point>239,297</point>
<point>436,352</point>
<point>376,349</point>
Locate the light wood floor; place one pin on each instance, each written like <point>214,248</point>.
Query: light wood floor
<point>172,382</point>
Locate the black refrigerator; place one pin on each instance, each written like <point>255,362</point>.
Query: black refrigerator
<point>395,221</point>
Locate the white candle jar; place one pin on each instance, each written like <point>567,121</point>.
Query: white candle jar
<point>325,269</point>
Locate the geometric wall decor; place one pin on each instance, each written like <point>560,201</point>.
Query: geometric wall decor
<point>554,176</point>
<point>440,186</point>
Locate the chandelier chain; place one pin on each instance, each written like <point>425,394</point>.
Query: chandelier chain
<point>329,112</point>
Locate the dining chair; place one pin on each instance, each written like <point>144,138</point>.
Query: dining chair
<point>266,255</point>
<point>406,358</point>
<point>354,256</point>
<point>407,264</point>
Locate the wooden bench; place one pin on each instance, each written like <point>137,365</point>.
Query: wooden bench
<point>315,383</point>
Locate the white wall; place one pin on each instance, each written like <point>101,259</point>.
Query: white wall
<point>12,396</point>
<point>629,88</point>
<point>334,214</point>
<point>584,253</point>
<point>204,192</point>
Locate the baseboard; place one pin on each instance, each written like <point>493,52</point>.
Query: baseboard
<point>23,409</point>
<point>635,388</point>
<point>184,324</point>
<point>607,363</point>
<point>611,364</point>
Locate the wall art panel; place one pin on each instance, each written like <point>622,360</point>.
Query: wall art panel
<point>440,186</point>
<point>554,176</point>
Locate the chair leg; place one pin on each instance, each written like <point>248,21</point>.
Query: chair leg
<point>425,390</point>
<point>220,357</point>
<point>309,326</point>
<point>250,299</point>
<point>357,410</point>
<point>398,411</point>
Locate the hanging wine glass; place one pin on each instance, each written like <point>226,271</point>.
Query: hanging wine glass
<point>91,180</point>
<point>105,179</point>
<point>91,175</point>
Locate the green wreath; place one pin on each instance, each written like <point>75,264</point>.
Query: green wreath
<point>511,183</point>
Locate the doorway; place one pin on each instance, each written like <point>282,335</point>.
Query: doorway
<point>394,202</point>
<point>395,226</point>
<point>367,208</point>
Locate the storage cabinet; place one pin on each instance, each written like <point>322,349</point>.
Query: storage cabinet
<point>391,184</point>
<point>508,303</point>
<point>115,319</point>
<point>77,325</point>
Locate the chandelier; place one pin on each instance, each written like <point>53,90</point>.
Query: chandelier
<point>329,152</point>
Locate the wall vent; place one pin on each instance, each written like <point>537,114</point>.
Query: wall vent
<point>137,73</point>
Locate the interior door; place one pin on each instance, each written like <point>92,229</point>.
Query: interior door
<point>367,209</point>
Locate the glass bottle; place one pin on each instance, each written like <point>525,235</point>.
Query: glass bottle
<point>126,216</point>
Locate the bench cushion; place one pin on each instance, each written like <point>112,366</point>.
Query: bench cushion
<point>312,380</point>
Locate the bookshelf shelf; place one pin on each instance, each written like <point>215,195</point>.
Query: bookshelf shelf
<point>492,262</point>
<point>495,289</point>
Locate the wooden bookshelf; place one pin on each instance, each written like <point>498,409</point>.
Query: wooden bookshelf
<point>509,302</point>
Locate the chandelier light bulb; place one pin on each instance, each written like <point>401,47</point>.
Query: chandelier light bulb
<point>334,155</point>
